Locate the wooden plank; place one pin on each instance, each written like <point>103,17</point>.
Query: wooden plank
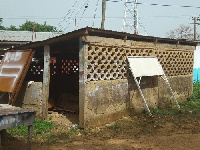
<point>46,81</point>
<point>83,56</point>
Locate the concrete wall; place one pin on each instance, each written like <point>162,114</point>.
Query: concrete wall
<point>105,101</point>
<point>110,91</point>
<point>181,85</point>
<point>30,97</point>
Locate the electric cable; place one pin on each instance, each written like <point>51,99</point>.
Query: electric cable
<point>76,14</point>
<point>86,6</point>
<point>59,24</point>
<point>163,5</point>
<point>95,12</point>
<point>70,17</point>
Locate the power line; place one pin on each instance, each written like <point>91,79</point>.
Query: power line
<point>163,5</point>
<point>77,14</point>
<point>59,25</point>
<point>95,12</point>
<point>86,6</point>
<point>114,17</point>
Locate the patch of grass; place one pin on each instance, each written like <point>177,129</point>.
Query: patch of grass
<point>42,126</point>
<point>191,105</point>
<point>39,128</point>
<point>44,131</point>
<point>115,127</point>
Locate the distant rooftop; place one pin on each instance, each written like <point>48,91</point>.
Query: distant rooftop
<point>26,36</point>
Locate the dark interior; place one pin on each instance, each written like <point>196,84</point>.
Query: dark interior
<point>64,75</point>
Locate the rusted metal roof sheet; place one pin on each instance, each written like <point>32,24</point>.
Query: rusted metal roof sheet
<point>104,33</point>
<point>13,69</point>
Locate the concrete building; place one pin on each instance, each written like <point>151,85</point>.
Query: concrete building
<point>89,72</point>
<point>196,71</point>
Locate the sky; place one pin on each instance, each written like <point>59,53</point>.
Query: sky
<point>153,20</point>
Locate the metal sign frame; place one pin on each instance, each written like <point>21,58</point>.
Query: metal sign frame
<point>159,72</point>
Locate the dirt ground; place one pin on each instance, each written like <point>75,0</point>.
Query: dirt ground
<point>141,132</point>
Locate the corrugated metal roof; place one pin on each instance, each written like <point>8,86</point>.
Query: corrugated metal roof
<point>26,35</point>
<point>104,33</point>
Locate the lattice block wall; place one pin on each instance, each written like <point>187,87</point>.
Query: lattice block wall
<point>109,63</point>
<point>69,66</point>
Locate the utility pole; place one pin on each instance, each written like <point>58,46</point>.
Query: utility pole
<point>195,28</point>
<point>125,14</point>
<point>103,13</point>
<point>135,18</point>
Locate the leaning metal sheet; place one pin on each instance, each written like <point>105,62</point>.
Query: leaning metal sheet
<point>11,69</point>
<point>145,66</point>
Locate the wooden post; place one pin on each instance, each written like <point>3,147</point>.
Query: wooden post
<point>3,137</point>
<point>46,81</point>
<point>103,13</point>
<point>29,137</point>
<point>82,81</point>
<point>195,28</point>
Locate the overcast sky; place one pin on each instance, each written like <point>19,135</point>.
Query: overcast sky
<point>153,20</point>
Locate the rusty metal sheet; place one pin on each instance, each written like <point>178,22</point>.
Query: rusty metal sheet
<point>13,69</point>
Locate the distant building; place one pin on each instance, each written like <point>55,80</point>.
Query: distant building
<point>13,38</point>
<point>196,70</point>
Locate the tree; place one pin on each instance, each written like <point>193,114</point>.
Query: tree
<point>30,26</point>
<point>2,27</point>
<point>12,28</point>
<point>33,26</point>
<point>182,32</point>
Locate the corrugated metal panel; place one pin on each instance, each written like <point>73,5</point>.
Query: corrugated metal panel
<point>26,35</point>
<point>13,69</point>
<point>145,66</point>
<point>103,33</point>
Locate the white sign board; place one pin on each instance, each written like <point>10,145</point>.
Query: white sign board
<point>145,66</point>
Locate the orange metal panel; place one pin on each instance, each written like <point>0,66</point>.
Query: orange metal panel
<point>13,69</point>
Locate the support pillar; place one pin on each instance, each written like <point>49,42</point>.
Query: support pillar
<point>46,81</point>
<point>83,57</point>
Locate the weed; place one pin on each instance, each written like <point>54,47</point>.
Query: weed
<point>115,127</point>
<point>39,128</point>
<point>192,104</point>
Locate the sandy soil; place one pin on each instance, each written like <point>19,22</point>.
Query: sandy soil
<point>162,132</point>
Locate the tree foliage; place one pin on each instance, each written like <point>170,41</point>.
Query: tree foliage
<point>1,27</point>
<point>33,26</point>
<point>30,26</point>
<point>181,32</point>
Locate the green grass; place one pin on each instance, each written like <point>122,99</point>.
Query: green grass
<point>43,130</point>
<point>40,127</point>
<point>115,127</point>
<point>191,105</point>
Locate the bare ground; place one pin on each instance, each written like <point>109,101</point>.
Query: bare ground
<point>141,132</point>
